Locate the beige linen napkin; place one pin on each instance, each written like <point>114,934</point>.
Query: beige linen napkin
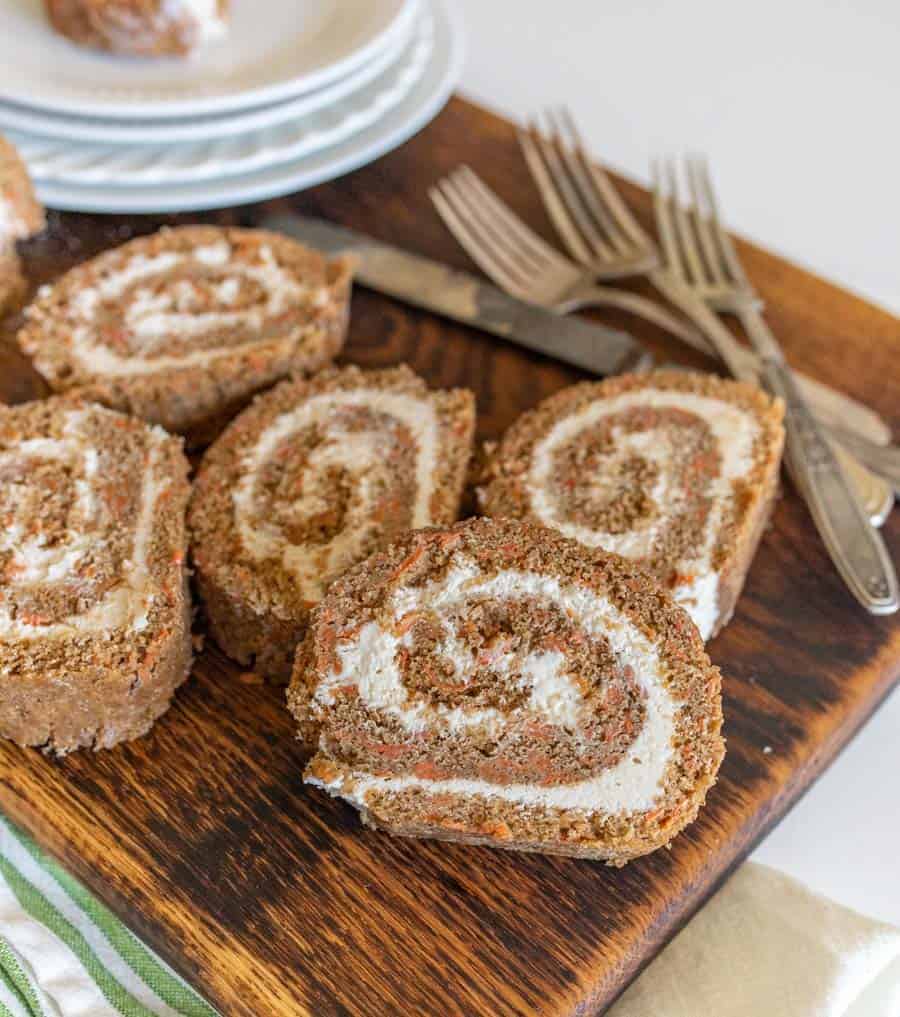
<point>765,946</point>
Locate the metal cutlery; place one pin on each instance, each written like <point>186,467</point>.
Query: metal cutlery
<point>602,235</point>
<point>519,261</point>
<point>698,254</point>
<point>460,296</point>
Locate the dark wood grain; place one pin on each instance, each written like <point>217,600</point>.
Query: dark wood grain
<point>269,897</point>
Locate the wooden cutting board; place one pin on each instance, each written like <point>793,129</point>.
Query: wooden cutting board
<point>270,897</point>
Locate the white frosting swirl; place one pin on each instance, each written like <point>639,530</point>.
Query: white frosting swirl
<point>202,298</point>
<point>360,454</point>
<point>370,663</point>
<point>35,563</point>
<point>734,431</point>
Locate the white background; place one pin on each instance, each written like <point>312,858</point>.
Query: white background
<point>797,104</point>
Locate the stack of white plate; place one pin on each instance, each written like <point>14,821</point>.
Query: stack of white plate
<point>297,93</point>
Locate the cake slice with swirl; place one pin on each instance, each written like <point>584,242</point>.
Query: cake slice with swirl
<point>497,683</point>
<point>677,471</point>
<point>310,479</point>
<point>182,327</point>
<point>94,607</point>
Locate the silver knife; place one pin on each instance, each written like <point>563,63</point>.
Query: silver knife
<point>462,297</point>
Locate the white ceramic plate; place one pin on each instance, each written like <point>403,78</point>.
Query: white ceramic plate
<point>420,105</point>
<point>274,49</point>
<point>14,117</point>
<point>82,163</point>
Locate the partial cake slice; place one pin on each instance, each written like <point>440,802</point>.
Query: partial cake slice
<point>499,684</point>
<point>314,476</point>
<point>94,607</point>
<point>183,326</point>
<point>145,28</point>
<point>13,284</point>
<point>21,216</point>
<point>677,471</point>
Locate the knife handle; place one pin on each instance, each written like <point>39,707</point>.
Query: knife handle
<point>854,544</point>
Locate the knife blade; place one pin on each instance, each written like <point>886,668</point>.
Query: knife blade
<point>454,294</point>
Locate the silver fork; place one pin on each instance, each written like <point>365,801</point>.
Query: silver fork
<point>699,255</point>
<point>520,262</point>
<point>603,236</point>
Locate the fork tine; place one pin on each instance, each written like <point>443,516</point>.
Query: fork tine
<point>683,228</point>
<point>472,241</point>
<point>605,191</point>
<point>557,208</point>
<point>471,201</point>
<point>701,220</point>
<point>557,159</point>
<point>568,151</point>
<point>725,244</point>
<point>505,218</point>
<point>662,210</point>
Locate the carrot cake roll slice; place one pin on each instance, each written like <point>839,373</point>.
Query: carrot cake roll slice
<point>677,471</point>
<point>94,606</point>
<point>497,683</point>
<point>310,479</point>
<point>183,326</point>
<point>144,28</point>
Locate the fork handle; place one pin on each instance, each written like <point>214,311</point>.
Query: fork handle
<point>642,307</point>
<point>853,543</point>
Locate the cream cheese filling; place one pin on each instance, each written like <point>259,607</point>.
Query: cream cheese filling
<point>152,316</point>
<point>370,663</point>
<point>204,13</point>
<point>126,605</point>
<point>734,430</point>
<point>360,454</point>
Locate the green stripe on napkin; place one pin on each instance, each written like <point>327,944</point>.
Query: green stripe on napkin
<point>63,952</point>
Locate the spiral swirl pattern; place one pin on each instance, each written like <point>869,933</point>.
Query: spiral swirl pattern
<point>310,479</point>
<point>494,670</point>
<point>183,326</point>
<point>347,475</point>
<point>181,308</point>
<point>663,470</point>
<point>543,687</point>
<point>75,542</point>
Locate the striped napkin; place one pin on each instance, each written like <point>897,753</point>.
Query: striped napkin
<point>764,945</point>
<point>63,954</point>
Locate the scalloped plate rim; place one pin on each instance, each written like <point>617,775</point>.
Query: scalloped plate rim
<point>416,110</point>
<point>62,127</point>
<point>355,112</point>
<point>388,18</point>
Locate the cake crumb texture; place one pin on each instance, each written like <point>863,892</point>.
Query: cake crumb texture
<point>94,606</point>
<point>310,479</point>
<point>183,326</point>
<point>497,683</point>
<point>675,470</point>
